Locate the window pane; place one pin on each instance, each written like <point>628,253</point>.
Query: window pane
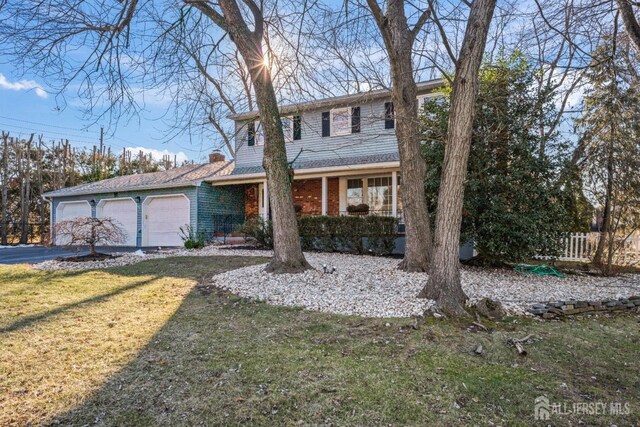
<point>379,194</point>
<point>354,192</point>
<point>259,136</point>
<point>341,121</point>
<point>287,128</point>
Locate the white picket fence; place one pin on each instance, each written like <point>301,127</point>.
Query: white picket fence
<point>581,247</point>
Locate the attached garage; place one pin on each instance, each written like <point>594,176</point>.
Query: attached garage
<point>66,211</point>
<point>125,212</point>
<point>162,217</point>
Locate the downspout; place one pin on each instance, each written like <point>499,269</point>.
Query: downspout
<point>51,236</point>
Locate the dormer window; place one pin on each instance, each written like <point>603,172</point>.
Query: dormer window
<point>340,121</point>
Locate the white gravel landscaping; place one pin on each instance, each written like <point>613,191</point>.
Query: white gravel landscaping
<point>374,287</point>
<point>126,258</point>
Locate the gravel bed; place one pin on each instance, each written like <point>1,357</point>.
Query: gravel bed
<point>374,287</point>
<point>126,258</point>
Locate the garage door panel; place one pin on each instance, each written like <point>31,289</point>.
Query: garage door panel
<point>162,218</point>
<point>125,213</point>
<point>67,211</point>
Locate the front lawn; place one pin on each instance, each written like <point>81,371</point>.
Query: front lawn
<point>151,344</point>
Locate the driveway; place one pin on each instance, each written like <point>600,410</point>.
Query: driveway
<point>35,254</point>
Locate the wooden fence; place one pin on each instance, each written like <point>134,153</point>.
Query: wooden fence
<point>581,247</point>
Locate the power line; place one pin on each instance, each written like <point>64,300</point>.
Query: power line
<point>84,139</point>
<point>66,134</point>
<point>43,124</point>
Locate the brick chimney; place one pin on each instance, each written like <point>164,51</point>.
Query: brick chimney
<point>216,157</point>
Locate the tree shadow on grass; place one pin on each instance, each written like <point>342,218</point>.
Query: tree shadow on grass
<point>30,320</point>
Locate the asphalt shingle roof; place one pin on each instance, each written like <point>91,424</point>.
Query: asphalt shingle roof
<point>313,164</point>
<point>184,176</point>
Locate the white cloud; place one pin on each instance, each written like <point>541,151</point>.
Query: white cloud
<point>158,154</point>
<point>22,85</point>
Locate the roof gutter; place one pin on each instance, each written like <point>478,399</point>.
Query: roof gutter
<point>338,101</point>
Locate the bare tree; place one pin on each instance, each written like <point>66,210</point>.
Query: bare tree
<point>118,49</point>
<point>89,231</point>
<point>4,182</point>
<point>399,39</point>
<point>444,280</point>
<point>630,20</point>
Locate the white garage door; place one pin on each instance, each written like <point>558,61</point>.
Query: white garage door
<point>125,213</point>
<point>66,211</point>
<point>162,217</point>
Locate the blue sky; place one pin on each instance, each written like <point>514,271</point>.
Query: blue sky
<point>28,105</point>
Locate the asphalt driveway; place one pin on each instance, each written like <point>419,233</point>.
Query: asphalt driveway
<point>35,254</point>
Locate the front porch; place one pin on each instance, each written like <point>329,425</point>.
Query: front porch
<point>374,193</point>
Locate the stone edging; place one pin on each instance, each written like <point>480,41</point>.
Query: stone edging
<point>551,310</point>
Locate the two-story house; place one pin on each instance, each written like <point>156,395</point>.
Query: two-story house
<point>342,151</point>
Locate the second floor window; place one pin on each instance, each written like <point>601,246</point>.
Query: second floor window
<point>287,128</point>
<point>340,121</point>
<point>258,132</point>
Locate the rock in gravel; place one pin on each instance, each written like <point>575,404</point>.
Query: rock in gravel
<point>491,309</point>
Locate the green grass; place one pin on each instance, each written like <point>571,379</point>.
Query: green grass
<point>151,344</point>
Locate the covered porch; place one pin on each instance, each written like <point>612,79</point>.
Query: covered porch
<point>365,193</point>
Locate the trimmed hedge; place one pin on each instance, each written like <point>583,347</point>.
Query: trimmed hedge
<point>353,234</point>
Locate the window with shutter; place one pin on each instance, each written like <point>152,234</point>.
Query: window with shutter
<point>258,134</point>
<point>287,128</point>
<point>389,119</point>
<point>341,121</point>
<point>355,120</point>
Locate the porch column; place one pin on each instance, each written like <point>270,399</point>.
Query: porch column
<point>325,190</point>
<point>265,201</point>
<point>394,194</point>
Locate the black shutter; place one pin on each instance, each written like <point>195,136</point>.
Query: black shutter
<point>326,124</point>
<point>251,134</point>
<point>297,128</point>
<point>355,120</point>
<point>389,121</point>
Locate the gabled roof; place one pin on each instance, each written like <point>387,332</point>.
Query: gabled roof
<point>185,176</point>
<point>338,101</point>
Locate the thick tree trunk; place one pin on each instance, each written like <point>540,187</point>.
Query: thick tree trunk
<point>444,280</point>
<point>631,24</point>
<point>399,44</point>
<point>288,256</point>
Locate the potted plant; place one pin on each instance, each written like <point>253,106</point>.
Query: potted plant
<point>361,209</point>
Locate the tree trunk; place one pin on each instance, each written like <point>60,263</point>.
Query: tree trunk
<point>5,184</point>
<point>444,280</point>
<point>399,44</point>
<point>287,256</point>
<point>26,191</point>
<point>631,24</point>
<point>598,258</point>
